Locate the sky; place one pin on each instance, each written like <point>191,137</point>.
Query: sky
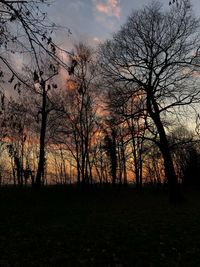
<point>92,21</point>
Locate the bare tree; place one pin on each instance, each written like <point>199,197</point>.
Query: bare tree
<point>79,107</point>
<point>17,136</point>
<point>26,31</point>
<point>45,108</point>
<point>155,54</point>
<point>128,113</point>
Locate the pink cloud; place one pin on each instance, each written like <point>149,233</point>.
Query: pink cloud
<point>110,8</point>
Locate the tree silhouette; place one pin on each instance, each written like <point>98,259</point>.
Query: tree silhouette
<point>155,54</point>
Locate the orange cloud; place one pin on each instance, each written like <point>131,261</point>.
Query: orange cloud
<point>110,8</point>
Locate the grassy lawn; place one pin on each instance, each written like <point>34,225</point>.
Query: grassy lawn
<point>56,227</point>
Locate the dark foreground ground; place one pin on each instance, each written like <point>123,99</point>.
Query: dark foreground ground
<point>57,227</point>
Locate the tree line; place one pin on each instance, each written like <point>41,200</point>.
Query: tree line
<point>118,117</point>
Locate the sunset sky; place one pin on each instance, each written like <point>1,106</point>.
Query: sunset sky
<point>96,20</point>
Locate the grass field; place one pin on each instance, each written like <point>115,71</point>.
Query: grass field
<point>58,227</point>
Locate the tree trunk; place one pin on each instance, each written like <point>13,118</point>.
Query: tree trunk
<point>123,162</point>
<point>174,189</point>
<point>136,167</point>
<point>41,163</point>
<point>113,155</point>
<point>140,166</point>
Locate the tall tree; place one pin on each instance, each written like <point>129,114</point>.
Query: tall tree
<point>45,108</point>
<point>128,112</point>
<point>155,54</point>
<point>79,109</point>
<point>26,31</point>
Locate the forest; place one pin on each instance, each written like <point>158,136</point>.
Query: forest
<point>100,145</point>
<point>125,112</point>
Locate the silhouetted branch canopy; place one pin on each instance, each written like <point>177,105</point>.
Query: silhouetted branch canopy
<point>26,32</point>
<point>156,53</point>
